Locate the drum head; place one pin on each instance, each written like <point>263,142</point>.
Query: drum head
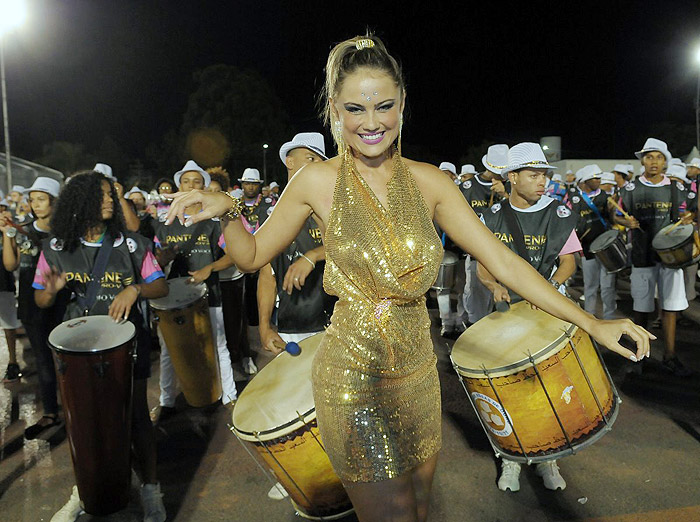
<point>96,333</point>
<point>181,294</point>
<point>663,240</point>
<point>501,342</point>
<point>604,240</point>
<point>269,403</point>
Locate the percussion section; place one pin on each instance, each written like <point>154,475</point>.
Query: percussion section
<point>275,421</point>
<point>184,321</point>
<point>544,392</point>
<point>94,359</point>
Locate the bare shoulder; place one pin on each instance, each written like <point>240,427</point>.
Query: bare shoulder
<point>431,181</point>
<point>423,171</point>
<point>320,173</point>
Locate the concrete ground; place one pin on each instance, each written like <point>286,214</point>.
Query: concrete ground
<point>646,469</point>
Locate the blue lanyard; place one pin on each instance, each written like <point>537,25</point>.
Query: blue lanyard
<point>593,208</point>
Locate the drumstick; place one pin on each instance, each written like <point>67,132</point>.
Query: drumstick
<point>584,234</point>
<point>618,207</point>
<point>673,227</point>
<point>491,199</point>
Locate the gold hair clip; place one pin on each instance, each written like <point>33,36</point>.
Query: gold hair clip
<point>365,43</point>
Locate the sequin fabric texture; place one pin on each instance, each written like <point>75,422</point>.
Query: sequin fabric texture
<point>375,382</point>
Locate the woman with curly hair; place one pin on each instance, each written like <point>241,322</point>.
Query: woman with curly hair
<point>87,214</point>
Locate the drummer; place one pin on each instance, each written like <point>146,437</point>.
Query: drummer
<point>481,192</point>
<point>88,219</point>
<point>195,252</point>
<point>294,279</point>
<point>466,172</point>
<point>653,202</point>
<point>591,205</point>
<point>543,232</point>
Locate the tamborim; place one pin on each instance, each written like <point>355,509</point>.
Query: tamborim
<point>678,246</point>
<point>183,319</point>
<point>94,365</point>
<point>537,384</point>
<point>276,415</point>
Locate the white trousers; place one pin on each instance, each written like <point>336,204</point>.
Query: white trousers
<point>690,273</point>
<point>476,298</point>
<point>168,380</point>
<point>596,277</point>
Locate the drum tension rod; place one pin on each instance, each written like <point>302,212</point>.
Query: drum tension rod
<point>505,414</point>
<point>588,380</point>
<point>551,404</point>
<point>262,442</point>
<point>301,418</point>
<point>264,471</point>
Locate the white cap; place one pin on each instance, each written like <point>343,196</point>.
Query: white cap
<point>630,169</point>
<point>678,172</point>
<point>274,184</point>
<point>495,158</point>
<point>450,167</point>
<point>17,188</point>
<point>695,162</point>
<point>305,140</point>
<point>526,155</point>
<point>468,169</point>
<point>48,185</point>
<point>607,178</point>
<point>134,190</point>
<point>191,166</point>
<point>251,176</point>
<point>588,172</point>
<point>621,168</point>
<point>557,177</point>
<point>105,169</point>
<point>652,144</point>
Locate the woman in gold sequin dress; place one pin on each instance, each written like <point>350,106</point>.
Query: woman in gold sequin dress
<point>375,382</point>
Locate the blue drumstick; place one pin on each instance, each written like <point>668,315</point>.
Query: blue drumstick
<point>293,349</point>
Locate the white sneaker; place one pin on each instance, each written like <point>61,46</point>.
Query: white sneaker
<point>549,471</point>
<point>510,476</point>
<point>249,366</point>
<point>71,510</point>
<point>152,500</point>
<point>277,492</point>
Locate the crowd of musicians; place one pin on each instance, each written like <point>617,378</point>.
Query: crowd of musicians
<point>91,248</point>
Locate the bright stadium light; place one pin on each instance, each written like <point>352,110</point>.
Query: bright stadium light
<point>12,14</point>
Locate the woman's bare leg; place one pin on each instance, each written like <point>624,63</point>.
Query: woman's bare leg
<point>422,484</point>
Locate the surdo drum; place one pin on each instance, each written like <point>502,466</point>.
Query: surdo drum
<point>536,383</point>
<point>677,246</point>
<point>276,417</point>
<point>446,275</point>
<point>610,249</point>
<point>94,364</point>
<point>183,319</point>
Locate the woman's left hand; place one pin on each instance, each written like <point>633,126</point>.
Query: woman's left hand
<point>121,306</point>
<point>608,334</point>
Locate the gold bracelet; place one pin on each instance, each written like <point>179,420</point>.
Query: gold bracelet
<point>236,206</point>
<point>313,265</point>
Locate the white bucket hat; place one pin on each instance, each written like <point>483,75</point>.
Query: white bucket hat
<point>676,161</point>
<point>622,168</point>
<point>17,188</point>
<point>468,169</point>
<point>450,167</point>
<point>652,144</point>
<point>134,190</point>
<point>607,178</point>
<point>305,140</point>
<point>191,166</point>
<point>495,158</point>
<point>274,184</point>
<point>42,184</point>
<point>678,172</point>
<point>250,176</point>
<point>588,172</point>
<point>557,177</point>
<point>526,155</point>
<point>695,162</point>
<point>105,169</point>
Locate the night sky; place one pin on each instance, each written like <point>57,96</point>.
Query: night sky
<point>599,77</point>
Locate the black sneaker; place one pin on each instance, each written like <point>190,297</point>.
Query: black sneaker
<point>12,374</point>
<point>675,366</point>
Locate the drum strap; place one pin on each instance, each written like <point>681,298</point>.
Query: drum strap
<point>98,271</point>
<point>595,210</point>
<point>515,229</point>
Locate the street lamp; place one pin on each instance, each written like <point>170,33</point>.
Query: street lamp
<point>265,147</point>
<point>12,14</point>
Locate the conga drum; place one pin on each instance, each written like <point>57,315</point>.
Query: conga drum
<point>446,274</point>
<point>677,246</point>
<point>94,359</point>
<point>536,383</point>
<point>183,319</point>
<point>610,249</point>
<point>276,417</point>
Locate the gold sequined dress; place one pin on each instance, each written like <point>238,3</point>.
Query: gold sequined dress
<point>375,380</point>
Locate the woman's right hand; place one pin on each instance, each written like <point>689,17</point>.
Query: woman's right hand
<point>214,205</point>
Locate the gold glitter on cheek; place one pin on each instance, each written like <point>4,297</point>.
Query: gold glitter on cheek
<point>376,388</point>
